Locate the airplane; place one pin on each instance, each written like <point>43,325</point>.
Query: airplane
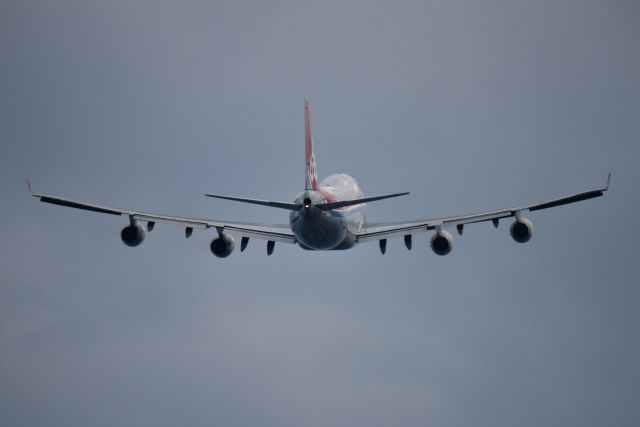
<point>327,215</point>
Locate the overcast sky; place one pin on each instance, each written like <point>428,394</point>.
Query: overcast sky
<point>469,105</point>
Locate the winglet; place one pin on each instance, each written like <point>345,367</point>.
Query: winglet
<point>29,185</point>
<point>606,187</point>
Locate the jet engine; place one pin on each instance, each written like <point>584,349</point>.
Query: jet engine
<point>521,230</point>
<point>133,234</point>
<point>442,243</point>
<point>222,246</point>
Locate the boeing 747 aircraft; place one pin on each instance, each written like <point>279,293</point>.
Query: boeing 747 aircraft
<point>327,215</point>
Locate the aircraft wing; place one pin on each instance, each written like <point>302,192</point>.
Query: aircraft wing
<point>276,233</point>
<point>377,231</point>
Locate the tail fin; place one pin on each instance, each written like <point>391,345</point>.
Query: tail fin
<point>311,174</point>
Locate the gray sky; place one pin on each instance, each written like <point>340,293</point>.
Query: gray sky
<point>469,105</point>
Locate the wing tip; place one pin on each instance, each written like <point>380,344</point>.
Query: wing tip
<point>606,186</point>
<point>29,186</point>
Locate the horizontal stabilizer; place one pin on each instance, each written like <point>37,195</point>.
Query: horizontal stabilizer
<point>281,205</point>
<point>345,203</point>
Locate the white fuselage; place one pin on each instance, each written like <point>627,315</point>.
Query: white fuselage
<point>318,229</point>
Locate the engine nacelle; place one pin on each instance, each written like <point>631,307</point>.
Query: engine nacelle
<point>442,243</point>
<point>133,234</point>
<point>222,246</point>
<point>521,230</point>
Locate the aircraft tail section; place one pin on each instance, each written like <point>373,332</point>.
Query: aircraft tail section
<point>311,174</point>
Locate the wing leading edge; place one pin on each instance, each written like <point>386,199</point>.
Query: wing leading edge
<point>377,231</point>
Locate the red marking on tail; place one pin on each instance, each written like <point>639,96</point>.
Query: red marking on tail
<point>311,173</point>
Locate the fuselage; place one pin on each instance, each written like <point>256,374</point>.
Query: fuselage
<point>318,229</point>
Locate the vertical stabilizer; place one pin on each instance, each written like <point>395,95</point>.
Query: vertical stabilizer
<point>311,174</point>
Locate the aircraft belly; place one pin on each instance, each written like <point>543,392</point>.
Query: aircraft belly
<point>348,242</point>
<point>318,230</point>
